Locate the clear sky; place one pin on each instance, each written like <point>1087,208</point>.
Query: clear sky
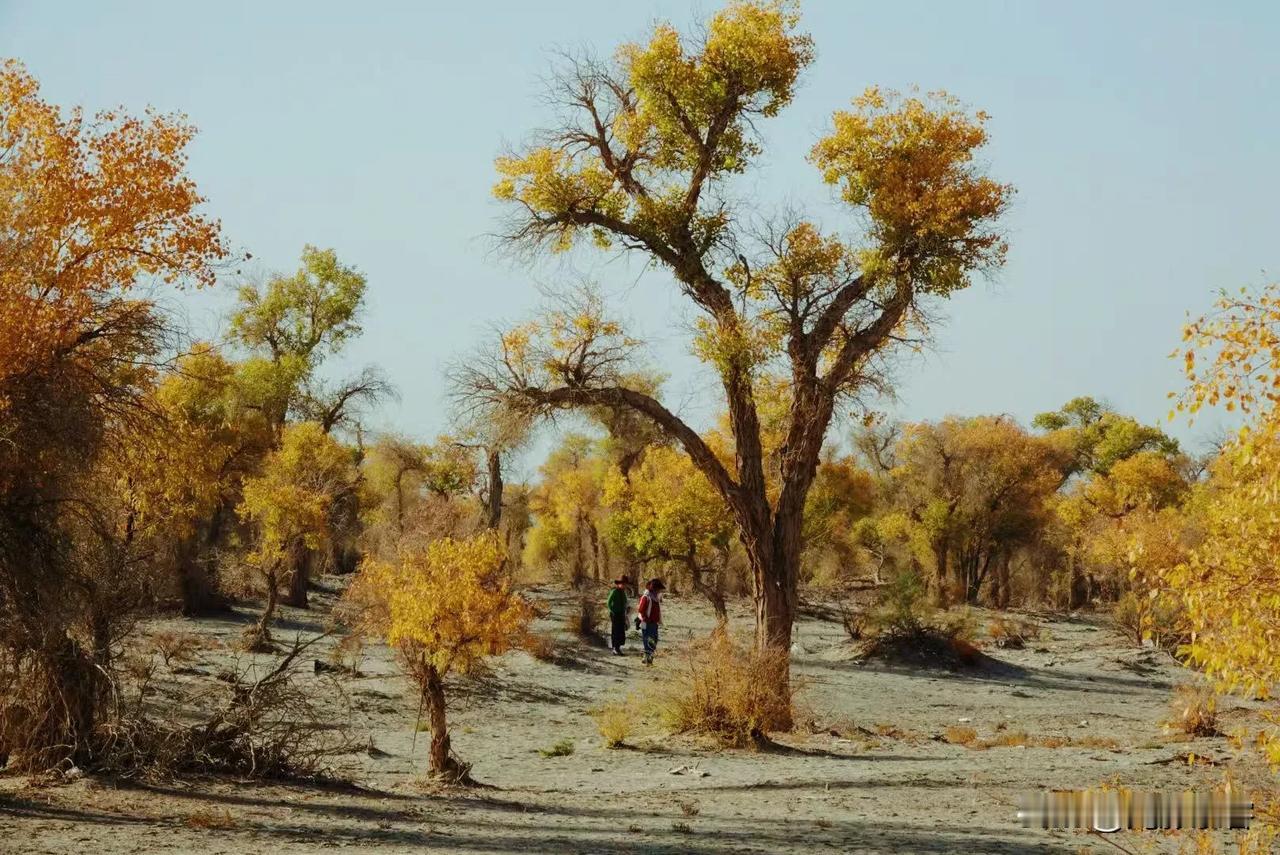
<point>1142,138</point>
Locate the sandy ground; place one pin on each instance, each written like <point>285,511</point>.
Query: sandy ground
<point>869,772</point>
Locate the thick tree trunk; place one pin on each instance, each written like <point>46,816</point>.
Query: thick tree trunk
<point>196,584</point>
<point>775,559</point>
<point>302,559</point>
<point>493,511</point>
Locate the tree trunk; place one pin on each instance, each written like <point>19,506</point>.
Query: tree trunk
<point>300,578</point>
<point>593,535</point>
<point>494,509</point>
<point>942,579</point>
<point>260,635</point>
<point>442,762</point>
<point>1003,592</point>
<point>775,559</point>
<point>712,592</point>
<point>192,559</point>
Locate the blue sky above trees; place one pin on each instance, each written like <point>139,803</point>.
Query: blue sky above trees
<point>1140,137</point>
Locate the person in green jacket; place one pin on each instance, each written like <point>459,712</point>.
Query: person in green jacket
<point>618,615</point>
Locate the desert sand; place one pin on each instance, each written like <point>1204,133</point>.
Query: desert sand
<point>869,770</point>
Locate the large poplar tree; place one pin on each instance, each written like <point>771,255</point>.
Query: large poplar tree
<point>643,157</point>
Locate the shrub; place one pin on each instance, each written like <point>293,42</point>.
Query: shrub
<point>563,748</point>
<point>210,819</point>
<point>615,722</point>
<point>900,608</point>
<point>1012,633</point>
<point>175,646</point>
<point>960,735</point>
<point>730,693</point>
<point>1158,620</point>
<point>1194,710</point>
<point>540,646</point>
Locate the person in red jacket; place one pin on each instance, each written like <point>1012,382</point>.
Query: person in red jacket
<point>650,616</point>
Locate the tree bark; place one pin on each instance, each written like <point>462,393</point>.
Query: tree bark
<point>300,578</point>
<point>713,593</point>
<point>442,762</point>
<point>260,635</point>
<point>494,506</point>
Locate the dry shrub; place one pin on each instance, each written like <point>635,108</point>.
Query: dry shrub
<point>731,693</point>
<point>1012,633</point>
<point>268,727</point>
<point>210,819</point>
<point>960,735</point>
<point>1194,710</point>
<point>174,646</point>
<point>540,646</point>
<point>1022,739</point>
<point>616,722</point>
<point>584,620</point>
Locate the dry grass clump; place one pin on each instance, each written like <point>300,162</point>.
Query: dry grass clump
<point>1012,633</point>
<point>210,819</point>
<point>968,737</point>
<point>1194,711</point>
<point>540,646</point>
<point>731,693</point>
<point>960,735</point>
<point>616,722</point>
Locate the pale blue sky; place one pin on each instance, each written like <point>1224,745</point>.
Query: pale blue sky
<point>1141,136</point>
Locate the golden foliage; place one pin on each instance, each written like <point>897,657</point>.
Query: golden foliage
<point>909,162</point>
<point>449,601</point>
<point>90,205</point>
<point>290,500</point>
<point>1229,584</point>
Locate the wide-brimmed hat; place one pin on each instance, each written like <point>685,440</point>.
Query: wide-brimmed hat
<point>621,580</point>
<point>657,583</point>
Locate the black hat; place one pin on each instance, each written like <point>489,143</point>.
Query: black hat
<point>657,584</point>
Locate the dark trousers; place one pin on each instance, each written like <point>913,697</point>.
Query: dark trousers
<point>618,630</point>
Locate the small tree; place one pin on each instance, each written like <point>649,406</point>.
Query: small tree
<point>289,504</point>
<point>446,605</point>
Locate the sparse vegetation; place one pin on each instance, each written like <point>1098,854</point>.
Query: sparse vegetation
<point>616,723</point>
<point>1194,710</point>
<point>724,691</point>
<point>563,748</point>
<point>171,508</point>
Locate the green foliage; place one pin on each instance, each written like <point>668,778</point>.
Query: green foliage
<point>1099,438</point>
<point>303,315</point>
